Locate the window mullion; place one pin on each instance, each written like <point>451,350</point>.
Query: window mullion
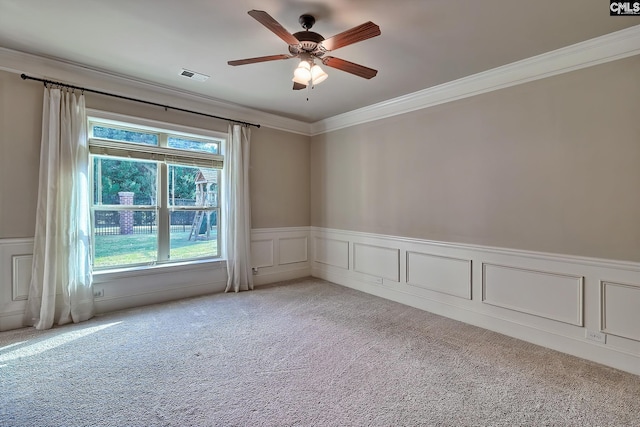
<point>163,213</point>
<point>163,138</point>
<point>99,175</point>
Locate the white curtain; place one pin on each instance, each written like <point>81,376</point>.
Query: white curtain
<point>61,270</point>
<point>237,214</point>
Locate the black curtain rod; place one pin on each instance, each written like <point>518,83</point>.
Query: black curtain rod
<point>166,107</point>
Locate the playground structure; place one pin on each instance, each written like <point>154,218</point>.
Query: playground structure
<point>206,196</point>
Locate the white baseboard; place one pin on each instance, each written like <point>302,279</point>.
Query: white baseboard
<point>546,299</point>
<point>11,320</point>
<point>281,276</point>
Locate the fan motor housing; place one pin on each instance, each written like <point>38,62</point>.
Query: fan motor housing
<point>309,43</point>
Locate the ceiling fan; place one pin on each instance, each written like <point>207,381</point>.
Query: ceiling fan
<point>310,46</point>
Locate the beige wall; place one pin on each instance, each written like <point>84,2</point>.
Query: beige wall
<point>279,160</point>
<point>552,165</point>
<point>279,179</point>
<point>20,130</point>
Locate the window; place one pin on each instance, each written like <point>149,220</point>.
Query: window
<point>155,195</point>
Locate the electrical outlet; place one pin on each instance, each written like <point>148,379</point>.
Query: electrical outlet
<point>98,293</point>
<point>254,270</point>
<point>598,336</point>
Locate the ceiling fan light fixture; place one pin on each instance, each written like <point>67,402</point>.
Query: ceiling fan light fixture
<point>300,80</point>
<point>302,74</point>
<point>318,75</point>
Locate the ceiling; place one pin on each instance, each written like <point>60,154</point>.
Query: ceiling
<point>423,43</point>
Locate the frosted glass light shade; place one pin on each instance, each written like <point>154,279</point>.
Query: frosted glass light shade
<point>302,74</point>
<point>318,75</point>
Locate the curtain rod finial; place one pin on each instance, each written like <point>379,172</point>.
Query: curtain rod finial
<point>23,76</point>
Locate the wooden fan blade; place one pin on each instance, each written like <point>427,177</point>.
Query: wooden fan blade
<point>349,67</point>
<point>298,86</point>
<point>265,19</point>
<point>258,59</point>
<point>354,35</point>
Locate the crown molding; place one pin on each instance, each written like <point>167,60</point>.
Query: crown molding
<point>610,47</point>
<point>78,75</point>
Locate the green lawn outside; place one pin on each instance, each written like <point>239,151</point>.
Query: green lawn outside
<point>120,250</point>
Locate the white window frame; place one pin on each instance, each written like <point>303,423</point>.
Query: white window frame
<point>164,155</point>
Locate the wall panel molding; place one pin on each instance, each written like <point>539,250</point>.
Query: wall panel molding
<point>439,273</point>
<point>21,276</point>
<point>445,246</point>
<point>377,261</point>
<point>331,252</point>
<point>620,309</point>
<point>15,276</point>
<point>293,250</point>
<point>262,253</point>
<point>540,293</point>
<point>280,254</point>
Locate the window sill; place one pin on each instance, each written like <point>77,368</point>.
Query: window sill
<point>101,276</point>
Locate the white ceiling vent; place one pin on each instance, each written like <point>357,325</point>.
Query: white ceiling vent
<point>193,75</point>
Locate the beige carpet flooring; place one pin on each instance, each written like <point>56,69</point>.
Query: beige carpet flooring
<point>302,353</point>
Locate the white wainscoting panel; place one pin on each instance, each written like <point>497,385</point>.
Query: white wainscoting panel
<point>551,300</point>
<point>545,294</point>
<point>280,254</point>
<point>15,275</point>
<point>21,276</point>
<point>293,250</point>
<point>438,273</point>
<point>621,310</point>
<point>262,253</point>
<point>377,261</point>
<point>331,252</point>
